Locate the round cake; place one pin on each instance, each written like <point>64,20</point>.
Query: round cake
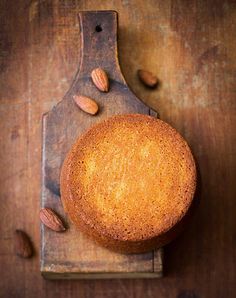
<point>129,182</point>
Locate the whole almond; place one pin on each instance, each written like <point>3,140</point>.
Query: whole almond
<point>86,104</point>
<point>147,78</point>
<point>100,79</point>
<point>51,220</point>
<point>23,246</point>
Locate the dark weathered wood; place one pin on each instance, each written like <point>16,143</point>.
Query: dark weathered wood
<point>190,46</point>
<point>71,254</point>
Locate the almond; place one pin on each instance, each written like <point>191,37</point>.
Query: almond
<point>51,220</point>
<point>147,78</point>
<point>23,246</point>
<point>86,104</point>
<point>100,79</point>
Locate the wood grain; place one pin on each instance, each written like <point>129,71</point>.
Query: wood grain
<point>190,45</point>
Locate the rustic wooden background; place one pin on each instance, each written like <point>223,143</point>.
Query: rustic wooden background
<point>191,46</point>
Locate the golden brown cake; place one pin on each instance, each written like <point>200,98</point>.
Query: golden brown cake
<point>129,182</point>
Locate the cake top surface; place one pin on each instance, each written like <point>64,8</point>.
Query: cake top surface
<point>132,177</point>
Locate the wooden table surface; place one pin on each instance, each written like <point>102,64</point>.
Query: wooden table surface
<point>191,46</point>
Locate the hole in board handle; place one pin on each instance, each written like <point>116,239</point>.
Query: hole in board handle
<point>98,28</point>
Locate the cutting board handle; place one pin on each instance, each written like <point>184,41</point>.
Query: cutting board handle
<point>99,44</point>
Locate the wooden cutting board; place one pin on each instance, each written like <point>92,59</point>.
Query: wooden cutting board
<point>71,254</point>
